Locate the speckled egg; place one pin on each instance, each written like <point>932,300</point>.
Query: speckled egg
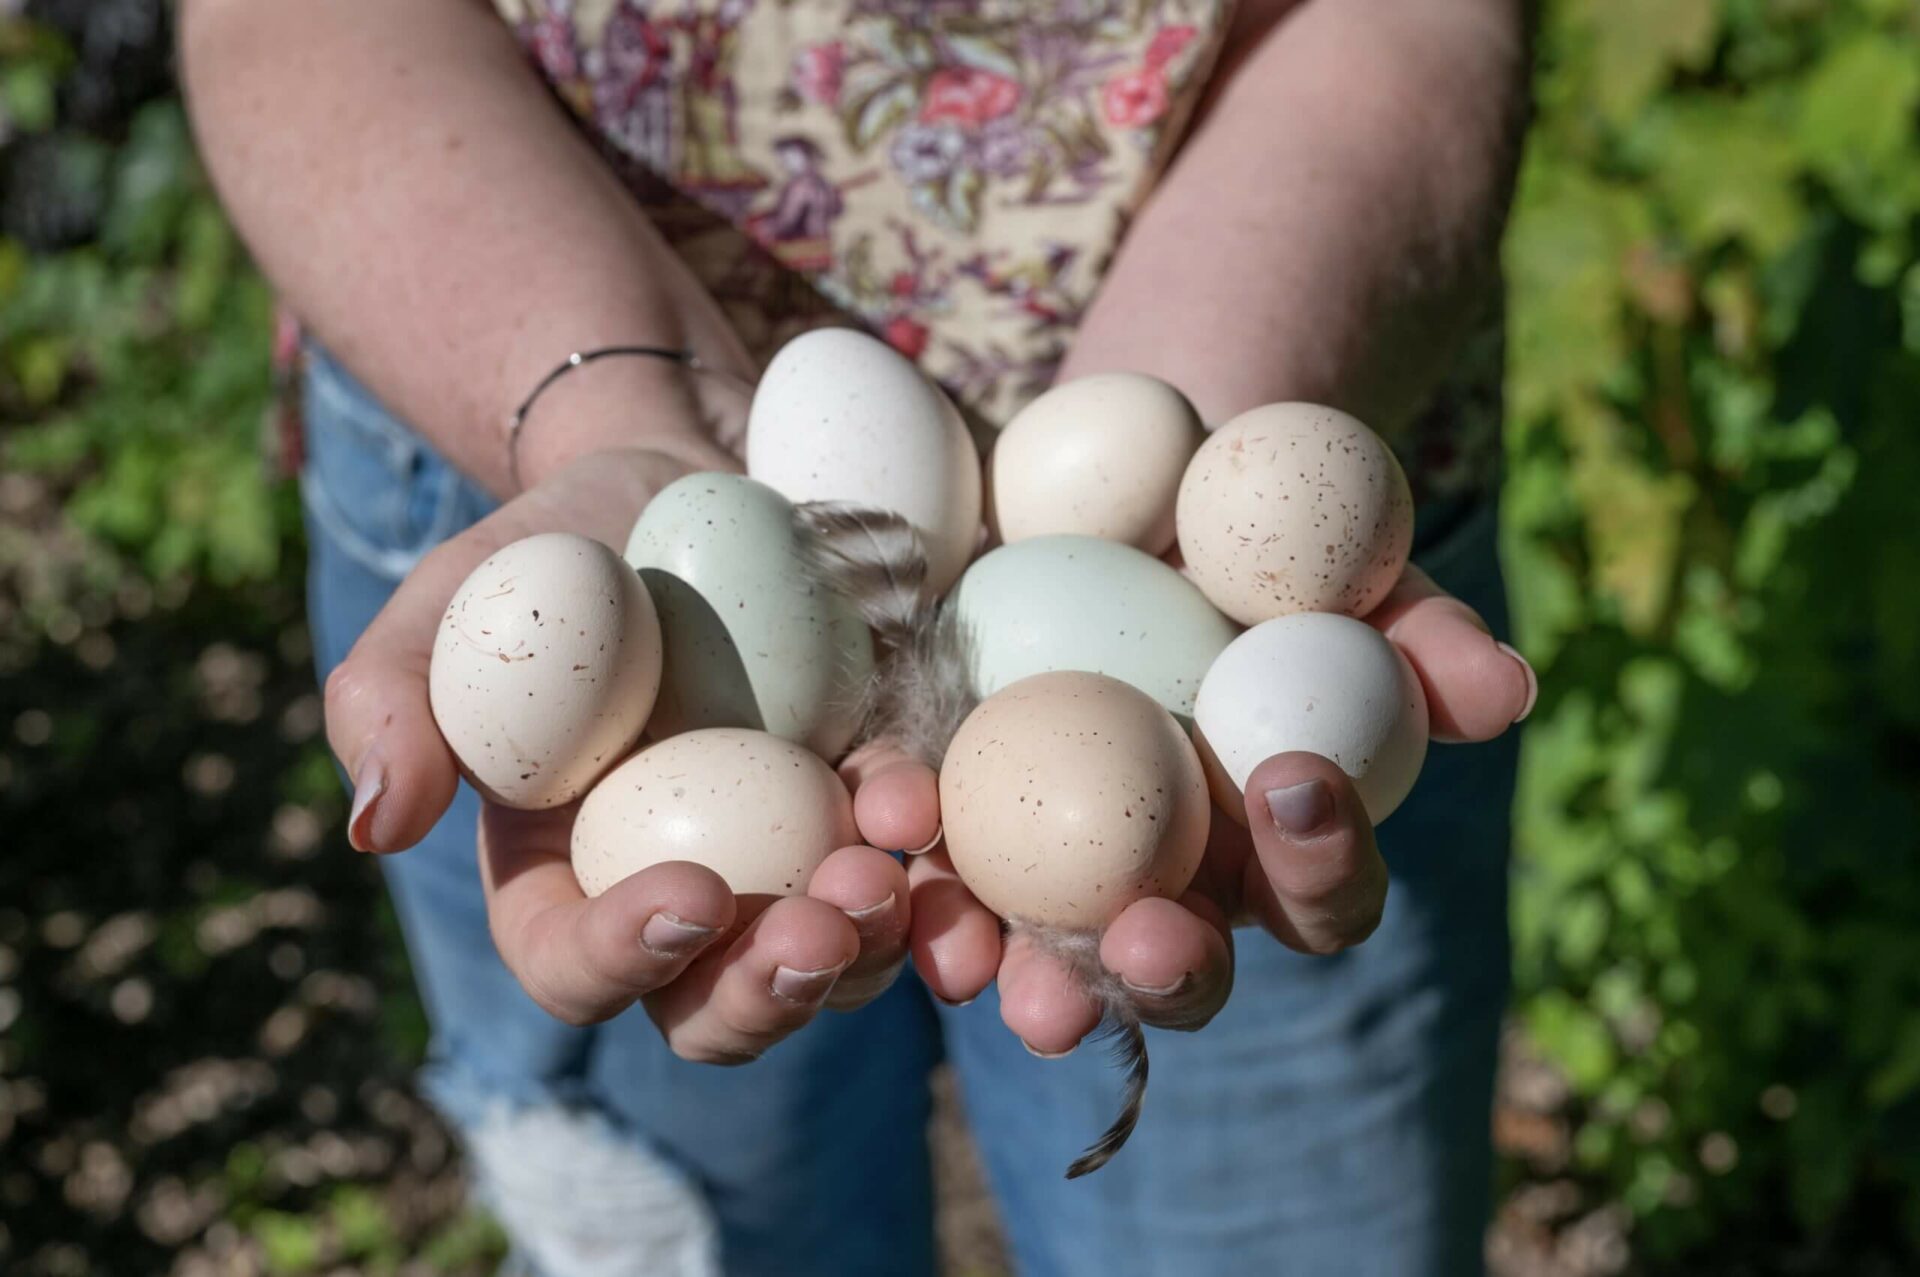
<point>1294,508</point>
<point>1082,603</point>
<point>751,640</point>
<point>544,669</point>
<point>1317,683</point>
<point>1098,456</point>
<point>1068,796</point>
<point>759,811</point>
<point>840,416</point>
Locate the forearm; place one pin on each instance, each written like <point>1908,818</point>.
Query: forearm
<point>1334,216</point>
<point>418,199</point>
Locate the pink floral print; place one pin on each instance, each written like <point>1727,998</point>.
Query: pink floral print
<point>953,174</point>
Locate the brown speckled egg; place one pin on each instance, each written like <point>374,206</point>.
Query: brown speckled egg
<point>1294,508</point>
<point>760,811</point>
<point>1068,796</point>
<point>545,668</point>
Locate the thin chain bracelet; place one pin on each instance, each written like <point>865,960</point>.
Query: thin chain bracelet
<point>685,358</point>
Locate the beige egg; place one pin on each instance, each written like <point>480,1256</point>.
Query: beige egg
<point>1068,796</point>
<point>545,669</point>
<point>1294,508</point>
<point>1098,456</point>
<point>760,811</point>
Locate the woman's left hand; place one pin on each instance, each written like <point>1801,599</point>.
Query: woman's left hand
<point>1304,865</point>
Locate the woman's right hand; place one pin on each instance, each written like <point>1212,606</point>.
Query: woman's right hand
<point>722,987</point>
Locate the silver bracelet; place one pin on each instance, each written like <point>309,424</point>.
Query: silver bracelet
<point>685,358</point>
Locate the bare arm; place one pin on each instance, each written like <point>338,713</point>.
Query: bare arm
<point>1333,215</point>
<point>1323,234</point>
<point>420,201</point>
<point>407,184</point>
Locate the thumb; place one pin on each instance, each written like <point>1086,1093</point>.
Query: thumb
<point>379,720</point>
<point>1316,879</point>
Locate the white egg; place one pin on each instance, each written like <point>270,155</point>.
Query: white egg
<point>1081,603</point>
<point>1098,456</point>
<point>1317,683</point>
<point>759,811</point>
<point>1294,508</point>
<point>1068,796</point>
<point>545,669</point>
<point>751,640</point>
<point>840,416</point>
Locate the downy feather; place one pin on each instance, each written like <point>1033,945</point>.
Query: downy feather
<point>923,687</point>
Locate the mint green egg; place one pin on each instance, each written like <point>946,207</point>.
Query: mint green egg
<point>749,639</point>
<point>1084,603</point>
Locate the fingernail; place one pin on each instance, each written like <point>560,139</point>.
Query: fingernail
<point>873,919</point>
<point>1037,1053</point>
<point>949,1002</point>
<point>1179,986</point>
<point>872,911</point>
<point>939,832</point>
<point>1301,809</point>
<point>368,787</point>
<point>1533,681</point>
<point>804,988</point>
<point>666,936</point>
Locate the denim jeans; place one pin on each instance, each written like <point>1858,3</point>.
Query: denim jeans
<point>1333,1120</point>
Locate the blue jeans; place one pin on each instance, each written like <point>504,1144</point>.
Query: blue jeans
<point>1334,1119</point>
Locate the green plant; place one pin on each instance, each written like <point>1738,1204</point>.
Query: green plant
<point>1716,369</point>
<point>137,360</point>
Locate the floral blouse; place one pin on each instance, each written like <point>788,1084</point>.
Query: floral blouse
<point>954,175</point>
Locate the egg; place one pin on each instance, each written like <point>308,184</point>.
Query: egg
<point>1068,796</point>
<point>1082,603</point>
<point>544,669</point>
<point>760,811</point>
<point>1099,456</point>
<point>840,416</point>
<point>1323,684</point>
<point>751,640</point>
<point>1294,508</point>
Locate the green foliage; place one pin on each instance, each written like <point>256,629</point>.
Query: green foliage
<point>140,359</point>
<point>1716,309</point>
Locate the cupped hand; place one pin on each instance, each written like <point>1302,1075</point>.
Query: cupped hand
<point>1304,864</point>
<point>722,982</point>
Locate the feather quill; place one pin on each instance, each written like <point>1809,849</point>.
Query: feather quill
<point>919,695</point>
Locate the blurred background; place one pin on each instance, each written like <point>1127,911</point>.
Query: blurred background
<point>1713,1065</point>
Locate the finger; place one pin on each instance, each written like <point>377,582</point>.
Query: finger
<point>1174,957</point>
<point>582,959</point>
<point>1476,686</point>
<point>896,799</point>
<point>1046,1005</point>
<point>955,938</point>
<point>378,718</point>
<point>871,888</point>
<point>1316,880</point>
<point>732,1005</point>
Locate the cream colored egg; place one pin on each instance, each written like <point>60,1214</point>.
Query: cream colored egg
<point>1321,684</point>
<point>545,669</point>
<point>1068,796</point>
<point>759,811</point>
<point>1098,456</point>
<point>1294,508</point>
<point>751,640</point>
<point>840,416</point>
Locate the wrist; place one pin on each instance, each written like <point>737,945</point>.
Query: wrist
<point>624,404</point>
